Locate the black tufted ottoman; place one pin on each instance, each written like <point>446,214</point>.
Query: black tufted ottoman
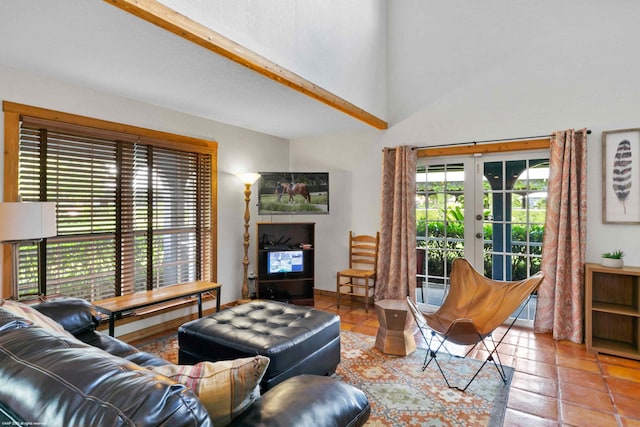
<point>297,339</point>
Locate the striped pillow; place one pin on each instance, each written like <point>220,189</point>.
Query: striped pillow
<point>225,388</point>
<point>23,310</point>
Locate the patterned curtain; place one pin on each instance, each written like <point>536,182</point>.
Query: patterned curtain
<point>396,270</point>
<point>561,295</point>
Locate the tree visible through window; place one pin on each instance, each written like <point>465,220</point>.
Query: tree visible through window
<point>133,212</point>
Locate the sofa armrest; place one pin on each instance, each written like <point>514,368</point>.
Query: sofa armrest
<point>56,380</point>
<point>308,400</point>
<point>74,314</point>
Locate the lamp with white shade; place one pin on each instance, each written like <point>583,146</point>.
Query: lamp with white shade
<point>23,222</point>
<point>248,178</point>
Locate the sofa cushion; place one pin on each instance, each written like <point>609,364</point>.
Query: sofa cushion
<point>56,380</point>
<point>74,314</point>
<point>327,402</point>
<point>225,388</point>
<point>28,312</point>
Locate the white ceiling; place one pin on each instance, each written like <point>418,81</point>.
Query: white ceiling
<point>97,45</point>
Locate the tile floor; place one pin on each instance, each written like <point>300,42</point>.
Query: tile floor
<point>556,383</point>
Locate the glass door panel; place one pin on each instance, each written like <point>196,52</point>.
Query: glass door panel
<point>515,193</point>
<point>440,225</point>
<point>499,232</point>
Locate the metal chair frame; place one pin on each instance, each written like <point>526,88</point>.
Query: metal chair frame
<point>471,312</point>
<point>431,354</point>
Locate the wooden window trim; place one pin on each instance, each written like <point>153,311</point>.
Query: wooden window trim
<point>13,112</point>
<point>501,147</point>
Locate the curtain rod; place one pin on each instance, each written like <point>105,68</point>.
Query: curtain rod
<point>489,140</point>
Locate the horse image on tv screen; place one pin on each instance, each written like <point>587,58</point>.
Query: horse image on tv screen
<point>292,189</point>
<point>293,193</point>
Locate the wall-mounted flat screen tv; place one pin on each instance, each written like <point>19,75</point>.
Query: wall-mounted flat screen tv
<point>285,262</point>
<point>289,193</point>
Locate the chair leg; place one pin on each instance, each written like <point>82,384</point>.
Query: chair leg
<point>366,295</point>
<point>338,289</point>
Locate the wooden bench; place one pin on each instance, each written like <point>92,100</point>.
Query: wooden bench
<point>115,306</point>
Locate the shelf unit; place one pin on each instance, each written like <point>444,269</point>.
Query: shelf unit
<point>295,288</point>
<point>612,310</point>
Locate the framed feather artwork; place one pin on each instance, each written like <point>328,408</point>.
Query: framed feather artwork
<point>621,176</point>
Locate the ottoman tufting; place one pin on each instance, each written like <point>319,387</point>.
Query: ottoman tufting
<point>296,339</point>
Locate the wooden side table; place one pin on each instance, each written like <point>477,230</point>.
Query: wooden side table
<point>395,335</point>
<point>115,306</point>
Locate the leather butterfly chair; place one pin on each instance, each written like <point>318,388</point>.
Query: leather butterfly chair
<point>472,310</point>
<point>361,274</point>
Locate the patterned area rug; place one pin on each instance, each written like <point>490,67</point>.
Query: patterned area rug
<point>399,391</point>
<point>402,394</point>
<point>164,346</point>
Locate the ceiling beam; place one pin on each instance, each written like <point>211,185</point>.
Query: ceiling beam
<point>170,20</point>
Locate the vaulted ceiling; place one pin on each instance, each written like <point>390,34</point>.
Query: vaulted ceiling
<point>99,46</point>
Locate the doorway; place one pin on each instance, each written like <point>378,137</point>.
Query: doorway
<point>487,208</point>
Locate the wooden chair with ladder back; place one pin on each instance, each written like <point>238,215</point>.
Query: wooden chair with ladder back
<point>360,278</point>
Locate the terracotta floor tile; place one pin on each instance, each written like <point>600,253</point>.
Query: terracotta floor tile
<point>620,361</point>
<point>508,360</point>
<point>540,369</point>
<point>581,378</point>
<point>506,348</point>
<point>581,417</point>
<point>622,372</point>
<point>574,350</point>
<point>624,387</point>
<point>366,330</point>
<point>536,354</point>
<point>535,384</point>
<point>628,422</point>
<point>324,303</point>
<point>354,318</point>
<point>372,322</point>
<point>510,338</point>
<point>537,341</point>
<point>583,396</point>
<point>513,418</point>
<point>346,326</point>
<point>628,406</point>
<point>532,403</point>
<point>578,363</point>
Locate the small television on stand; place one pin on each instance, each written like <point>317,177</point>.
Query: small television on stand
<point>285,262</point>
<point>285,267</point>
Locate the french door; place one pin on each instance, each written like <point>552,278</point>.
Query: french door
<point>489,209</point>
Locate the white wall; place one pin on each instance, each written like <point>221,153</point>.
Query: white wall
<point>354,166</point>
<point>338,45</point>
<point>238,150</point>
<point>497,69</point>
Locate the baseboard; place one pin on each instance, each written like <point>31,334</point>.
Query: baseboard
<point>343,297</point>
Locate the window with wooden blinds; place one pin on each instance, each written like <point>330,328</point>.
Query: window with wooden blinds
<point>134,212</point>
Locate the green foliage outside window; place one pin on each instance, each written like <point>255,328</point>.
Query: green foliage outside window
<point>453,246</point>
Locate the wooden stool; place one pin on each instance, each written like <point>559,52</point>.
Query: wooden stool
<point>395,335</point>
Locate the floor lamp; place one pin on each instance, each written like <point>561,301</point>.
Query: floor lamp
<point>23,222</point>
<point>248,179</point>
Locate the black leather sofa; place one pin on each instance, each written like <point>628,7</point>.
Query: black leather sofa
<point>51,379</point>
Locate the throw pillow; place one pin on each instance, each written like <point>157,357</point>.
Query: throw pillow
<point>23,310</point>
<point>225,388</point>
